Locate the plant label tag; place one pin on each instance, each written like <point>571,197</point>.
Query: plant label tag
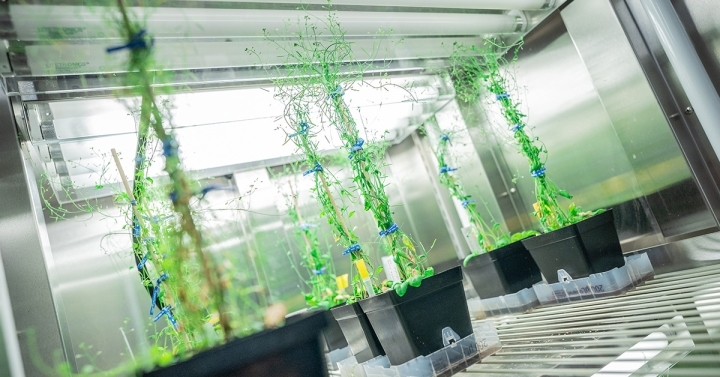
<point>390,268</point>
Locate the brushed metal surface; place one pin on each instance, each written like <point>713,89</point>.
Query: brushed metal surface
<point>586,155</point>
<point>10,357</point>
<point>647,139</point>
<point>23,252</point>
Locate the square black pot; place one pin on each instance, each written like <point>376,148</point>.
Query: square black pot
<point>333,337</point>
<point>581,249</point>
<point>289,351</point>
<point>503,271</point>
<point>360,336</point>
<point>411,326</point>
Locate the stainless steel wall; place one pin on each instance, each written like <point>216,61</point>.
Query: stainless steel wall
<point>609,142</point>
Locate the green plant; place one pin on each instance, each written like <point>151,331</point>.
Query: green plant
<point>321,66</point>
<point>474,70</point>
<point>302,136</point>
<point>489,235</point>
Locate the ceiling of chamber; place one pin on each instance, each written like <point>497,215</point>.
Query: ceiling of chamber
<point>63,85</point>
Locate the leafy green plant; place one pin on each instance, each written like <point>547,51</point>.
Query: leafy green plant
<point>489,235</point>
<point>303,137</point>
<point>475,70</point>
<point>320,66</point>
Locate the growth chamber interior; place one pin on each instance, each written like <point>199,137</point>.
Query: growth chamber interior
<point>415,188</point>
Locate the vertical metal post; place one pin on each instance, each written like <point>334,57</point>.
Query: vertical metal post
<point>24,252</point>
<point>687,64</point>
<point>10,359</point>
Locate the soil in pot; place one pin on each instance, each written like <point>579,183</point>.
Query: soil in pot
<point>358,332</point>
<point>503,271</point>
<point>290,351</point>
<point>411,326</point>
<point>596,249</point>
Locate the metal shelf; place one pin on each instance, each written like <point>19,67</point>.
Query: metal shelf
<point>670,326</point>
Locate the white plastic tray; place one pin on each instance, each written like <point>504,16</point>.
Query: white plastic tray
<point>519,302</point>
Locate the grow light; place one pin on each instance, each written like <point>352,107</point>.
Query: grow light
<point>466,4</point>
<point>220,132</point>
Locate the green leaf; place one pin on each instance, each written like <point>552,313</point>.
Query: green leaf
<point>415,281</point>
<point>406,241</point>
<point>565,194</point>
<point>468,258</point>
<point>351,214</point>
<point>98,187</point>
<point>401,289</point>
<point>429,272</point>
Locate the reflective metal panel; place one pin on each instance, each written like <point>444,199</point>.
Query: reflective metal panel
<point>23,251</point>
<point>659,165</point>
<point>586,156</point>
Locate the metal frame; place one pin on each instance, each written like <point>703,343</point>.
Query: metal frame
<point>24,249</point>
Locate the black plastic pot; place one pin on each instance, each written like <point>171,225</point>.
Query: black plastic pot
<point>503,271</point>
<point>581,249</point>
<point>333,337</point>
<point>411,326</point>
<point>289,351</point>
<point>358,332</point>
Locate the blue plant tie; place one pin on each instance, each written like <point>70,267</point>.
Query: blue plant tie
<point>502,96</point>
<point>157,219</point>
<point>392,229</point>
<point>167,311</point>
<point>315,169</point>
<point>304,128</point>
<point>357,147</point>
<point>447,169</point>
<point>209,188</point>
<point>133,202</point>
<point>136,229</point>
<point>445,137</point>
<point>170,147</point>
<point>538,172</point>
<point>137,42</point>
<point>517,127</point>
<point>353,248</point>
<point>319,272</point>
<point>173,196</point>
<point>142,263</point>
<point>307,226</point>
<point>156,292</point>
<point>140,159</point>
<point>338,92</point>
<point>149,240</point>
<point>467,202</point>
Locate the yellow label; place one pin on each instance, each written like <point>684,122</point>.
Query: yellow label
<point>342,281</point>
<point>362,269</point>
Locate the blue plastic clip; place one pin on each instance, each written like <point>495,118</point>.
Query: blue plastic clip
<point>304,128</point>
<point>142,262</point>
<point>502,96</point>
<point>173,195</point>
<point>353,248</point>
<point>140,159</point>
<point>357,147</point>
<point>156,292</point>
<point>445,137</point>
<point>517,127</point>
<point>392,229</point>
<point>136,229</point>
<point>447,169</point>
<point>209,188</point>
<point>467,202</point>
<point>307,226</point>
<point>137,42</point>
<point>538,173</point>
<point>315,169</point>
<point>319,272</point>
<point>167,311</point>
<point>170,147</point>
<point>338,92</point>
